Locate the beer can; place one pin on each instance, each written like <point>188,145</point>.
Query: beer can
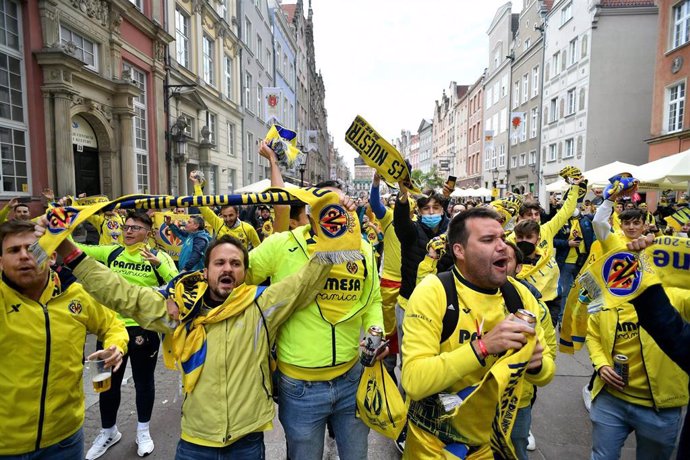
<point>372,342</point>
<point>525,317</point>
<point>620,367</point>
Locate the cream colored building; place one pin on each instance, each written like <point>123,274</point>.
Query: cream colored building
<point>203,95</point>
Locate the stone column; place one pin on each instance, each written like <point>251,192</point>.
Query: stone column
<point>182,177</point>
<point>63,144</point>
<point>127,158</point>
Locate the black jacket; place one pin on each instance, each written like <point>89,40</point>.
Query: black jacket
<point>413,238</point>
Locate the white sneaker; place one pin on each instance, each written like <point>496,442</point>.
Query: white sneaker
<point>144,443</point>
<point>531,443</point>
<point>587,397</point>
<point>102,443</point>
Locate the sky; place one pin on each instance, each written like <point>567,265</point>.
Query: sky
<point>390,60</point>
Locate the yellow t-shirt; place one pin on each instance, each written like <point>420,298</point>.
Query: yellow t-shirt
<point>391,248</point>
<point>628,343</point>
<point>575,232</point>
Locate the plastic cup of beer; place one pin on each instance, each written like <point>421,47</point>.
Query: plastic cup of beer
<point>100,375</point>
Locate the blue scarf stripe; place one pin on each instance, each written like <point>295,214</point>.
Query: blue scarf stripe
<point>458,449</point>
<point>577,338</point>
<point>465,392</point>
<point>259,290</point>
<point>566,343</point>
<point>196,360</point>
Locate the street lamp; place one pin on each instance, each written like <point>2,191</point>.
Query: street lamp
<point>302,169</point>
<point>494,176</point>
<point>170,91</point>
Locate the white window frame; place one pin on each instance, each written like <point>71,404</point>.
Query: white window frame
<point>248,34</point>
<point>553,110</point>
<point>248,99</point>
<point>525,88</point>
<point>681,24</point>
<point>535,81</point>
<point>69,35</point>
<point>259,49</point>
<point>516,94</point>
<point>250,147</point>
<point>572,52</point>
<point>674,108</point>
<point>566,13</point>
<point>140,131</point>
<point>182,48</point>
<point>532,157</point>
<point>556,63</point>
<point>553,152</point>
<point>513,162</point>
<point>230,133</point>
<point>523,159</point>
<point>212,125</point>
<point>569,148</point>
<point>571,102</point>
<point>534,119</point>
<point>260,101</point>
<point>501,155</point>
<point>209,58</point>
<point>227,73</point>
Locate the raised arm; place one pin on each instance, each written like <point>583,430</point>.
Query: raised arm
<point>377,206</point>
<point>282,212</point>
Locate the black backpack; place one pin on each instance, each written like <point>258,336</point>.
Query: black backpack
<point>450,318</point>
<point>117,251</point>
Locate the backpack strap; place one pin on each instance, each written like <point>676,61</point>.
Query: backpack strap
<point>511,297</point>
<point>159,278</point>
<point>114,255</point>
<point>450,317</point>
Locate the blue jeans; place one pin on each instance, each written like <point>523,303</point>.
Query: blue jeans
<point>71,448</point>
<point>305,407</point>
<point>613,419</point>
<point>249,447</point>
<point>520,433</point>
<point>565,282</point>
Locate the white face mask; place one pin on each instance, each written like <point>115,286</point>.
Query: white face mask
<point>576,212</point>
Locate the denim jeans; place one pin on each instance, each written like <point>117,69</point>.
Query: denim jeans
<point>613,419</point>
<point>71,448</point>
<point>305,407</point>
<point>249,447</point>
<point>520,433</point>
<point>565,282</point>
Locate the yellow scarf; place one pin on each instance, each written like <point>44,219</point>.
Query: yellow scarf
<point>284,143</point>
<point>619,276</point>
<point>678,218</point>
<point>337,229</point>
<point>378,153</point>
<point>189,346</point>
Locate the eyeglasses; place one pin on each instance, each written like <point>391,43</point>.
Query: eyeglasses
<point>134,228</point>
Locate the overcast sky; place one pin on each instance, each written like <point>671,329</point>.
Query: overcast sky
<point>389,60</point>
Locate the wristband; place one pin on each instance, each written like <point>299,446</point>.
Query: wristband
<point>482,348</point>
<point>71,256</point>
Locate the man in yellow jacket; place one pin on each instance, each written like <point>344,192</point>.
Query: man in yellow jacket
<point>484,330</point>
<point>44,319</point>
<point>222,345</point>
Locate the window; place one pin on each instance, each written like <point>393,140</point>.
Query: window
<point>250,147</point>
<point>269,61</point>
<point>501,155</point>
<point>182,37</point>
<point>140,129</point>
<point>232,180</point>
<point>513,162</point>
<point>555,63</point>
<point>525,88</point>
<point>137,3</point>
<point>504,85</point>
<point>569,148</point>
<point>523,159</point>
<point>209,49</point>
<point>566,13</point>
<point>260,101</point>
<point>681,23</point>
<point>535,81</point>
<point>248,34</point>
<point>14,175</point>
<point>211,124</point>
<point>676,105</point>
<point>230,128</point>
<point>572,52</point>
<point>532,157</point>
<point>227,70</point>
<point>84,49</point>
<point>570,98</point>
<point>248,100</point>
<point>527,43</point>
<point>553,114</point>
<point>279,53</point>
<point>259,49</point>
<point>516,94</point>
<point>552,152</point>
<point>534,124</point>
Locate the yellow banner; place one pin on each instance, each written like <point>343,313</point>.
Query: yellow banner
<point>89,200</point>
<point>378,153</point>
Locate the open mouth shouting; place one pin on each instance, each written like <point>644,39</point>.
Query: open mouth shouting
<point>501,263</point>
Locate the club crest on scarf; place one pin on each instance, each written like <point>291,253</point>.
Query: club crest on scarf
<point>60,219</point>
<point>622,274</point>
<point>334,220</point>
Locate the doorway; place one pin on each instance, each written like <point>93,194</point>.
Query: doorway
<point>86,170</point>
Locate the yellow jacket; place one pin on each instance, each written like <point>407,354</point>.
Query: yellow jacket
<point>667,382</point>
<point>42,343</point>
<point>232,397</point>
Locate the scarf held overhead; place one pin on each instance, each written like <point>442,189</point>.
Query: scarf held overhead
<point>620,275</point>
<point>379,153</point>
<point>337,230</point>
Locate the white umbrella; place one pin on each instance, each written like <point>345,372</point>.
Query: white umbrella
<point>558,186</point>
<point>458,192</point>
<point>260,186</point>
<point>481,191</point>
